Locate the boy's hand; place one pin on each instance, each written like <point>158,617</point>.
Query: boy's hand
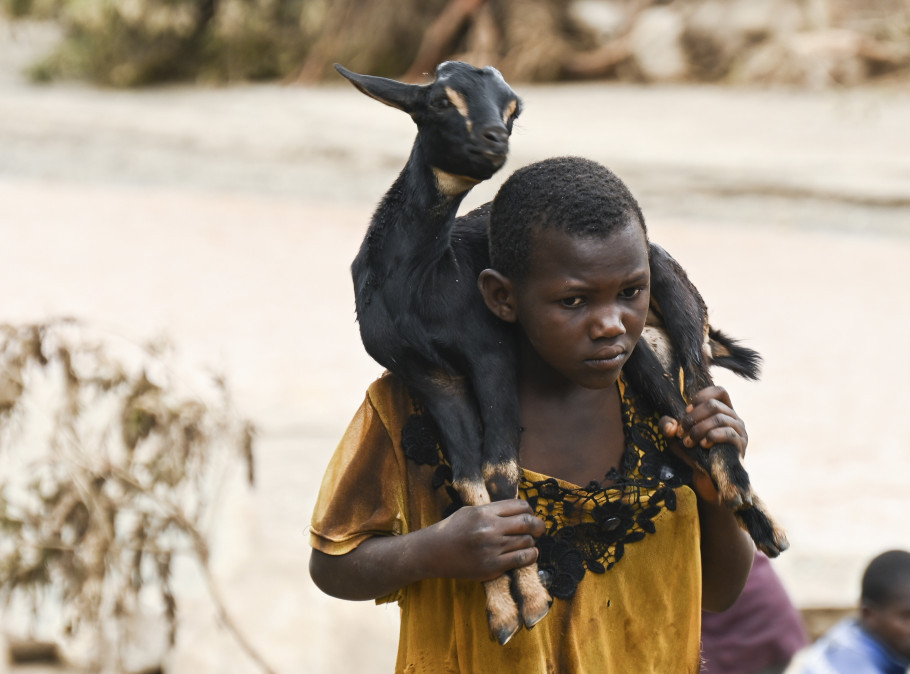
<point>710,419</point>
<point>477,543</point>
<point>483,542</point>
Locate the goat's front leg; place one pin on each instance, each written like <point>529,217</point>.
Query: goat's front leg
<point>449,402</point>
<point>496,393</point>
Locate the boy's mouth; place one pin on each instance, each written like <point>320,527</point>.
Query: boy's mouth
<point>607,358</point>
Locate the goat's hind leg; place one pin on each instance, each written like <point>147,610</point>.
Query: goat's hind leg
<point>661,390</point>
<point>769,537</point>
<point>497,398</point>
<point>450,404</point>
<point>680,316</point>
<point>729,476</point>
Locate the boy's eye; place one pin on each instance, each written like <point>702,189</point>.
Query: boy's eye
<point>630,293</point>
<point>572,302</point>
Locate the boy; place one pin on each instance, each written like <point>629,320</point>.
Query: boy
<point>629,552</point>
<point>879,641</point>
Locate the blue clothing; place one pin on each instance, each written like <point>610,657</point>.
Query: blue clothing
<point>848,649</point>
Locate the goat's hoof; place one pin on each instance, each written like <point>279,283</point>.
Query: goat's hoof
<point>502,611</point>
<point>533,599</point>
<point>776,545</point>
<point>503,631</point>
<point>733,500</point>
<point>530,616</point>
<point>747,498</point>
<point>768,537</point>
<point>733,496</point>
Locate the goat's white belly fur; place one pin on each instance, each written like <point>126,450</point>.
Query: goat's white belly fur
<point>657,340</point>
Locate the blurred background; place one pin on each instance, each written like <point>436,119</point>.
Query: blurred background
<point>187,181</point>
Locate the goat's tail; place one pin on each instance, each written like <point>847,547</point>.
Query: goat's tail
<point>728,353</point>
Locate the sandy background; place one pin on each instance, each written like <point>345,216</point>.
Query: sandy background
<point>226,219</point>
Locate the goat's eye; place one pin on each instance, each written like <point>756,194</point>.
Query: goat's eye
<point>442,103</point>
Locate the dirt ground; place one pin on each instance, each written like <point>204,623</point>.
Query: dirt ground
<point>226,219</point>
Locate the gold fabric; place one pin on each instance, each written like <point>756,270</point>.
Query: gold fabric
<point>640,616</point>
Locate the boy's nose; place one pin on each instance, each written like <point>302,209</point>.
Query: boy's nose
<point>607,322</point>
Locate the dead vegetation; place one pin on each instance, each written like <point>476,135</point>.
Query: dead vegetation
<point>111,462</point>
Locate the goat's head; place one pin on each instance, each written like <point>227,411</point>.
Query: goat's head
<point>464,117</point>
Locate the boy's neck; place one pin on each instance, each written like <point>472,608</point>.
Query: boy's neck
<point>572,434</point>
<point>568,418</point>
<point>549,398</point>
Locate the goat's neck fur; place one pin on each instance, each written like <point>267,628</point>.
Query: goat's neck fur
<point>412,227</point>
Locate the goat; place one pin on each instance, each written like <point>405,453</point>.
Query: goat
<point>415,285</point>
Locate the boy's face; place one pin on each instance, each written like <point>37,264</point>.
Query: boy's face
<point>891,622</point>
<point>583,303</point>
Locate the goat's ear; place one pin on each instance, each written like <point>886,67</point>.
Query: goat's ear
<point>391,92</point>
<point>498,294</point>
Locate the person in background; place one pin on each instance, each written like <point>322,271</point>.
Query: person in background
<point>878,641</point>
<point>759,634</point>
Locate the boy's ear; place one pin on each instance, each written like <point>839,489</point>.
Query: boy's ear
<point>498,294</point>
<point>869,616</point>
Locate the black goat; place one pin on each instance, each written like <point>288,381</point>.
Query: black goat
<point>421,314</point>
<point>420,311</point>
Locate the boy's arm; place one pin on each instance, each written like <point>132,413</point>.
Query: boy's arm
<point>726,550</point>
<point>475,543</point>
<point>726,556</point>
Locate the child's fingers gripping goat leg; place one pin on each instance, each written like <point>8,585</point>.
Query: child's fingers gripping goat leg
<point>527,589</point>
<point>518,596</point>
<point>710,419</point>
<point>711,424</point>
<point>494,539</point>
<point>482,542</point>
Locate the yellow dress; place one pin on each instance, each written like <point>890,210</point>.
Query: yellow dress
<point>623,561</point>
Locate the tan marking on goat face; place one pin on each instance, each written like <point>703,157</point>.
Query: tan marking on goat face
<point>452,185</point>
<point>461,105</point>
<point>509,111</point>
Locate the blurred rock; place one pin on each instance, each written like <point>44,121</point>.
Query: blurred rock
<point>718,32</point>
<point>656,43</point>
<point>605,19</point>
<point>816,60</point>
<point>24,41</point>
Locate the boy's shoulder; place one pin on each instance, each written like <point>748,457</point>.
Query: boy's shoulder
<point>392,400</point>
<point>387,387</point>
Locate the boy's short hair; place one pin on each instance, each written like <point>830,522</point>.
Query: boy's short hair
<point>570,194</point>
<point>885,576</point>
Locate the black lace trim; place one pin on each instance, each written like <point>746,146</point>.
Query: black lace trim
<point>587,527</point>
